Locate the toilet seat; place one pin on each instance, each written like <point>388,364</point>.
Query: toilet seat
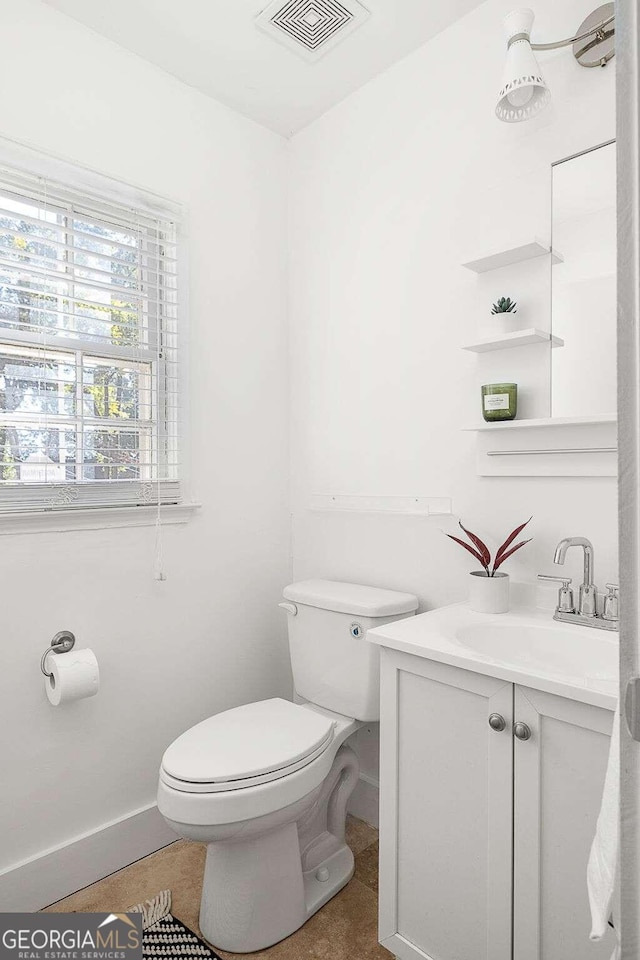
<point>202,806</point>
<point>246,746</point>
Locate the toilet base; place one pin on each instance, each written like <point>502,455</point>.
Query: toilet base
<point>260,890</point>
<point>317,892</point>
<point>231,919</point>
<point>252,896</point>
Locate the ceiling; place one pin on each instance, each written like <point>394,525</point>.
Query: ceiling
<point>216,47</point>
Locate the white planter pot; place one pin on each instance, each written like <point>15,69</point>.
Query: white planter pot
<point>488,594</point>
<point>502,323</point>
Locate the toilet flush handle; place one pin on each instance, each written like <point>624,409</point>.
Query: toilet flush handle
<point>290,608</point>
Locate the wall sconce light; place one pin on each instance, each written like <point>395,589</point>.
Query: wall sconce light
<point>524,92</point>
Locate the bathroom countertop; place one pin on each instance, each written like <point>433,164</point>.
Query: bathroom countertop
<point>585,670</point>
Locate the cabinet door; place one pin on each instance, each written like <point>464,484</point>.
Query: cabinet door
<point>445,812</point>
<point>559,776</point>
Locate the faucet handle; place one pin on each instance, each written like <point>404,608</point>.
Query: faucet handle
<point>565,593</point>
<point>611,602</point>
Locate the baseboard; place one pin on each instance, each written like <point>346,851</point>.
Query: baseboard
<point>365,799</point>
<point>41,880</point>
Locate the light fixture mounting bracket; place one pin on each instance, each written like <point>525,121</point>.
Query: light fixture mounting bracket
<point>594,43</point>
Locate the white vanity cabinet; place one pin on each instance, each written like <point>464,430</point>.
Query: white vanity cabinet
<point>484,838</point>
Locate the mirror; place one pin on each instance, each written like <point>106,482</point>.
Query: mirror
<point>583,284</point>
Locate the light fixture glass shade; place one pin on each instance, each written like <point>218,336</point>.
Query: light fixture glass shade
<point>524,92</point>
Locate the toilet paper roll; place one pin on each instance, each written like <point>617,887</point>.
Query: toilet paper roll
<point>74,676</point>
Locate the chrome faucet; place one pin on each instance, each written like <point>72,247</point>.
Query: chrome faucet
<point>587,600</point>
<point>587,612</point>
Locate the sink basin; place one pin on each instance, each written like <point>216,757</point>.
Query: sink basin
<point>581,653</point>
<point>525,646</point>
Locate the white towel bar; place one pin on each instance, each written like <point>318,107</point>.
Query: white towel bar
<point>526,453</point>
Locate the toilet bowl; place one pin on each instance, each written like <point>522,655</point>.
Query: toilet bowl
<point>266,785</point>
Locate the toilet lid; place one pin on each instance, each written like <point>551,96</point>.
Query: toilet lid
<point>246,742</point>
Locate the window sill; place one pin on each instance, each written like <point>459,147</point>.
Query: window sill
<point>96,518</point>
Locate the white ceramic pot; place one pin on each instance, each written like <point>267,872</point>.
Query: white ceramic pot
<point>502,323</point>
<point>488,594</point>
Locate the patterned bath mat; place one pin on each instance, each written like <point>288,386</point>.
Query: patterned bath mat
<point>164,937</point>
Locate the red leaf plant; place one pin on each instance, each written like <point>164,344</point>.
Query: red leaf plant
<point>481,552</point>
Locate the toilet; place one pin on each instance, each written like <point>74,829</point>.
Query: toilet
<point>266,785</point>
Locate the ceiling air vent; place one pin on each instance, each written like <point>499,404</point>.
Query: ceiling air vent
<point>311,27</point>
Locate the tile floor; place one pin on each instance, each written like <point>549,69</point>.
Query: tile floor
<point>344,929</point>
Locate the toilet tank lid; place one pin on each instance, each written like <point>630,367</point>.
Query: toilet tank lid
<point>352,598</point>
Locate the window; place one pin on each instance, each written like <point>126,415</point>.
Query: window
<point>88,350</point>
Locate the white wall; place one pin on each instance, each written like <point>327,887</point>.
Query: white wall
<point>391,191</point>
<point>211,636</point>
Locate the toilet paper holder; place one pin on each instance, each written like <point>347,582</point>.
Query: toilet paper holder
<point>63,641</point>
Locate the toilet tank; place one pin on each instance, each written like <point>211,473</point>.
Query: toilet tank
<point>333,664</point>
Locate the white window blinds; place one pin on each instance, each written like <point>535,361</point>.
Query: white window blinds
<point>88,350</point>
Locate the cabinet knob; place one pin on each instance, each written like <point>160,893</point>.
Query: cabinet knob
<point>497,722</point>
<point>522,730</point>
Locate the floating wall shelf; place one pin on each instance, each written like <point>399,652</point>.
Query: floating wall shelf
<point>542,422</point>
<point>549,447</point>
<point>519,338</point>
<point>506,258</point>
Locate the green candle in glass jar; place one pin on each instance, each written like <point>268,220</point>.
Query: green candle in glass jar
<point>499,401</point>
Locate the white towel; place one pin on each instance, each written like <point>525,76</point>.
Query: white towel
<point>603,860</point>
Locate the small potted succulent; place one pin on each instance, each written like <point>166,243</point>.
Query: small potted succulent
<point>502,311</point>
<point>489,589</point>
<point>504,305</point>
